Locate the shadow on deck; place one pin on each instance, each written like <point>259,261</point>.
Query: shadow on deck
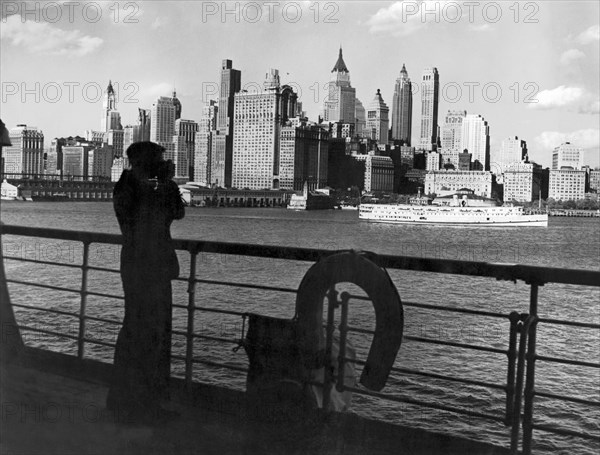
<point>54,404</point>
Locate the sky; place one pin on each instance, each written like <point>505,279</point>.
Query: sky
<point>531,69</point>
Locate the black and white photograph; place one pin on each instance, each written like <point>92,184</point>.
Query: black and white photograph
<point>300,227</point>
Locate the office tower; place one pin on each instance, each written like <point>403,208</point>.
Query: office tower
<point>377,125</point>
<point>222,153</point>
<point>433,161</point>
<point>340,99</point>
<point>144,124</point>
<point>522,181</point>
<point>130,132</point>
<point>445,182</point>
<point>452,138</point>
<point>476,139</point>
<point>567,156</point>
<point>162,125</point>
<point>111,119</point>
<point>430,87</point>
<point>258,118</point>
<point>361,117</point>
<point>511,151</point>
<point>303,156</point>
<point>184,139</point>
<point>402,109</point>
<point>116,138</point>
<point>26,154</point>
<point>100,161</point>
<point>203,146</point>
<point>566,184</point>
<point>177,105</point>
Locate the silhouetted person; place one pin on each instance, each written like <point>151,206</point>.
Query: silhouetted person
<point>146,201</point>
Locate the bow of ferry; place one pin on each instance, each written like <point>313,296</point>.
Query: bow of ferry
<point>53,399</point>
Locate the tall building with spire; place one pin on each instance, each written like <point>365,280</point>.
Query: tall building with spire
<point>339,105</point>
<point>377,127</point>
<point>177,105</point>
<point>222,153</point>
<point>430,88</point>
<point>111,119</point>
<point>402,109</point>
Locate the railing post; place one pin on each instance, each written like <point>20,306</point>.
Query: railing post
<point>84,275</point>
<point>514,318</point>
<point>530,380</point>
<point>523,328</point>
<point>328,373</point>
<point>189,348</point>
<point>345,297</point>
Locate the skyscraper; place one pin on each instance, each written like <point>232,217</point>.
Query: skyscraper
<point>162,125</point>
<point>567,156</point>
<point>476,139</point>
<point>26,154</point>
<point>204,143</point>
<point>183,140</point>
<point>430,87</point>
<point>339,104</point>
<point>111,119</point>
<point>512,150</point>
<point>402,109</point>
<point>378,120</point>
<point>452,138</point>
<point>361,117</point>
<point>222,155</point>
<point>258,118</point>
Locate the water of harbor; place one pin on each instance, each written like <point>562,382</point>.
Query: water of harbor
<point>565,243</point>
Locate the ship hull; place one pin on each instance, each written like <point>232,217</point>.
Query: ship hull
<point>451,216</point>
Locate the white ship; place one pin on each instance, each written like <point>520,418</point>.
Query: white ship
<point>459,215</point>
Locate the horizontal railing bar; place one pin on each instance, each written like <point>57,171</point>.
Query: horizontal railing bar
<point>567,398</point>
<point>435,375</point>
<point>206,337</point>
<point>245,285</point>
<point>108,296</point>
<point>588,325</point>
<point>103,343</point>
<point>45,286</point>
<point>456,345</point>
<point>567,361</point>
<point>108,321</point>
<point>404,399</point>
<point>36,261</point>
<point>47,310</point>
<point>566,432</point>
<point>212,310</point>
<point>441,307</point>
<point>103,269</point>
<point>510,272</point>
<point>48,332</point>
<point>213,364</point>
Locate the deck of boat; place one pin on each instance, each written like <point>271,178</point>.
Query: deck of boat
<point>52,404</point>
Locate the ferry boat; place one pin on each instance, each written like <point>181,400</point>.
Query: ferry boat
<point>456,214</point>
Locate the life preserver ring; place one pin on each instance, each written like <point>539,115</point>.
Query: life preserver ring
<point>352,267</point>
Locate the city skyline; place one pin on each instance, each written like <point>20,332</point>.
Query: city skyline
<point>562,68</point>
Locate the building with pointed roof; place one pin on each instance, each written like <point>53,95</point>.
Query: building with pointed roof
<point>339,104</point>
<point>111,119</point>
<point>377,124</point>
<point>402,109</point>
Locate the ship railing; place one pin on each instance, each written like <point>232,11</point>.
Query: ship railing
<point>521,355</point>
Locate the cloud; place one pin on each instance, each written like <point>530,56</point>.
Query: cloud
<point>160,89</point>
<point>586,139</point>
<point>480,28</point>
<point>43,38</point>
<point>590,35</point>
<point>568,98</point>
<point>571,55</point>
<point>402,18</point>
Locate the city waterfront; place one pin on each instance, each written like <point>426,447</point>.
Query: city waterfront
<point>566,243</point>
